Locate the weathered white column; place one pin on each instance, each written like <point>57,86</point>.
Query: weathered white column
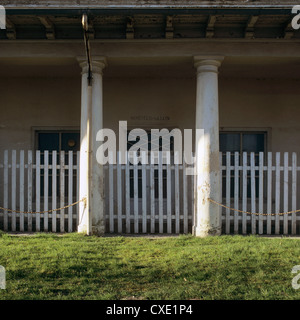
<point>91,212</point>
<point>84,223</point>
<point>97,182</point>
<point>207,220</point>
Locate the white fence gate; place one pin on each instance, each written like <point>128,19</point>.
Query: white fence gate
<point>257,191</point>
<point>149,198</point>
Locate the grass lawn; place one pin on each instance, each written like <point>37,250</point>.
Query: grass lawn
<point>74,266</point>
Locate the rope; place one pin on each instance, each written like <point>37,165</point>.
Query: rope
<point>251,213</point>
<point>41,212</point>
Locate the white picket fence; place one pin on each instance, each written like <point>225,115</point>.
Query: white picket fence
<point>265,184</point>
<point>153,198</point>
<point>149,198</point>
<point>28,186</point>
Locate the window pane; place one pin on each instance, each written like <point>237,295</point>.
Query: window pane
<point>230,142</point>
<point>48,141</point>
<point>253,142</point>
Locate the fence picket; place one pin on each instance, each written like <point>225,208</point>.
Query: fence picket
<point>236,192</point>
<point>29,194</point>
<point>77,182</point>
<point>277,193</point>
<point>111,193</point>
<point>70,191</point>
<point>285,192</point>
<point>169,204</point>
<point>152,194</point>
<point>221,187</point>
<point>13,189</point>
<point>160,194</point>
<point>244,205</point>
<point>177,199</point>
<point>37,190</point>
<point>144,193</point>
<point>119,187</point>
<point>136,198</point>
<point>22,189</point>
<point>228,190</point>
<point>185,199</point>
<point>46,191</point>
<point>5,186</point>
<point>261,192</point>
<point>294,192</point>
<point>269,193</point>
<point>127,196</point>
<point>253,193</point>
<point>54,190</point>
<point>62,191</point>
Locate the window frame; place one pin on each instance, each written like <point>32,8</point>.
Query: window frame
<point>59,130</point>
<point>267,143</point>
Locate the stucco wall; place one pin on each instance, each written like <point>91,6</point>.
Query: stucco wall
<point>31,102</point>
<point>268,104</point>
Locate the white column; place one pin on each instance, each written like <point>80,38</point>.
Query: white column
<point>84,223</point>
<point>97,182</point>
<point>207,220</point>
<point>91,212</point>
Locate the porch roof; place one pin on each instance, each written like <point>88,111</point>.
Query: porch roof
<point>148,4</point>
<point>150,20</point>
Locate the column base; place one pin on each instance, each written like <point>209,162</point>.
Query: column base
<point>98,230</point>
<point>203,232</point>
<point>82,228</point>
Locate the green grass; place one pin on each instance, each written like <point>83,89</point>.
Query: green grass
<point>74,266</point>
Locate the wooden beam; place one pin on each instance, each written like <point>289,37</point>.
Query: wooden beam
<point>288,31</point>
<point>10,30</point>
<point>210,28</point>
<point>50,31</point>
<point>169,28</point>
<point>130,28</point>
<point>249,31</point>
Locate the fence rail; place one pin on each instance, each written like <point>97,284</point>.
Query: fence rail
<point>152,198</point>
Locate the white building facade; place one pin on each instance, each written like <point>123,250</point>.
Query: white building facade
<point>230,69</point>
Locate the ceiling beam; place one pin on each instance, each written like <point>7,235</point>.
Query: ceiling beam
<point>249,31</point>
<point>210,27</point>
<point>288,31</point>
<point>169,28</point>
<point>49,27</point>
<point>10,30</point>
<point>130,28</point>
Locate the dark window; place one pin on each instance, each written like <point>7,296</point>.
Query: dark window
<point>241,142</point>
<point>57,141</point>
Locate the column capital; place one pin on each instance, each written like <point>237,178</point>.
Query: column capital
<point>208,63</point>
<point>98,64</point>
